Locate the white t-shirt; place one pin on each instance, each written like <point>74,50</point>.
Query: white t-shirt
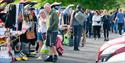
<point>42,25</point>
<point>95,20</point>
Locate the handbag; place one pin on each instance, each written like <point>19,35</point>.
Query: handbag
<point>98,22</point>
<point>31,34</point>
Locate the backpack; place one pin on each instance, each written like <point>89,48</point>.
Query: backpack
<point>80,17</point>
<point>59,46</point>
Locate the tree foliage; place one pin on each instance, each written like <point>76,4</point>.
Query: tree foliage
<point>88,4</point>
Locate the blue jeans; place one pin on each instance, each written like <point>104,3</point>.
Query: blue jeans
<point>115,27</point>
<point>124,27</point>
<point>77,33</point>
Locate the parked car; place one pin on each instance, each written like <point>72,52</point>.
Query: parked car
<point>119,58</point>
<point>112,51</point>
<point>110,48</point>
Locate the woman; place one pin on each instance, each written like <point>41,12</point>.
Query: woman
<point>41,29</point>
<point>96,23</point>
<point>106,26</point>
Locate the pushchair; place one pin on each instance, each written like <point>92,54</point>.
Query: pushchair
<point>6,52</point>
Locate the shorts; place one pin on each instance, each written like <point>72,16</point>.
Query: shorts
<point>41,36</point>
<point>51,39</point>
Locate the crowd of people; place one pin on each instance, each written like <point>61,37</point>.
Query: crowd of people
<point>51,18</point>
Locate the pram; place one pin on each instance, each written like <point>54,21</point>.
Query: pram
<point>6,52</point>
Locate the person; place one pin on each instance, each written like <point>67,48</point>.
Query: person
<point>89,23</point>
<point>67,14</point>
<point>30,19</point>
<point>114,23</point>
<point>41,32</point>
<point>120,20</point>
<point>96,23</point>
<point>106,26</point>
<point>52,31</point>
<point>77,25</point>
<point>124,24</point>
<point>10,16</point>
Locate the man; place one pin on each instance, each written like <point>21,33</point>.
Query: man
<point>52,32</point>
<point>113,23</point>
<point>77,22</point>
<point>120,20</point>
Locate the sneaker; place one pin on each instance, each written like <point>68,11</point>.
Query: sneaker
<point>37,54</point>
<point>105,40</point>
<point>55,58</point>
<point>18,59</point>
<point>76,50</point>
<point>25,58</point>
<point>82,45</point>
<point>50,59</point>
<point>39,58</point>
<point>33,53</point>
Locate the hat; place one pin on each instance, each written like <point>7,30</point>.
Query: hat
<point>42,10</point>
<point>69,6</point>
<point>27,7</point>
<point>56,4</point>
<point>79,7</point>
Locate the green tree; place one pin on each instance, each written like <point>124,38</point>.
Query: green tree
<point>88,4</point>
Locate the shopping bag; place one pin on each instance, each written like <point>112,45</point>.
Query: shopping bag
<point>66,39</point>
<point>44,49</point>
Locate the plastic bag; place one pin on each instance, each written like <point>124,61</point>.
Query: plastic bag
<point>44,49</point>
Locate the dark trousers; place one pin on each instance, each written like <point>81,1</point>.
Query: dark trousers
<point>106,32</point>
<point>89,30</point>
<point>20,26</point>
<point>77,33</point>
<point>96,31</point>
<point>65,17</point>
<point>120,26</point>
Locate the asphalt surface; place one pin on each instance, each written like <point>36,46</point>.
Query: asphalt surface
<point>87,54</point>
